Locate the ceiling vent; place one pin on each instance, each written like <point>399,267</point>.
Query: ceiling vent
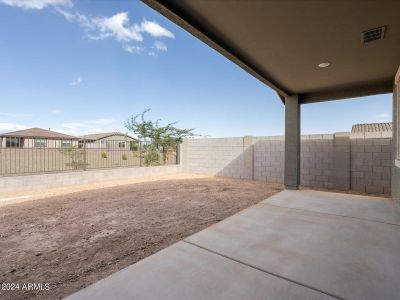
<point>373,34</point>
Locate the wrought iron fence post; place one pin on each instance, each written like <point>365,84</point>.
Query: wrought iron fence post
<point>177,154</point>
<point>140,153</point>
<point>84,155</point>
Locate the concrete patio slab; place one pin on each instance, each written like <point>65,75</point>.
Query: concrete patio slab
<point>370,208</point>
<point>346,257</point>
<point>184,271</point>
<point>310,249</point>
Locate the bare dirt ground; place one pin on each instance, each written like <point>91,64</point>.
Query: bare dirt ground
<point>70,241</point>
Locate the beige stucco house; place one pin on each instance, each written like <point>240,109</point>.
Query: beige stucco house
<point>109,140</point>
<point>37,138</point>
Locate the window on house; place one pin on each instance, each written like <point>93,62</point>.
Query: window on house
<point>40,142</point>
<point>121,145</point>
<point>14,142</point>
<point>66,144</point>
<point>134,146</point>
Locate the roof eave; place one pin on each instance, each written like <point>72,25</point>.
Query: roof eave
<point>216,43</point>
<point>213,42</point>
<point>368,89</point>
<point>37,137</point>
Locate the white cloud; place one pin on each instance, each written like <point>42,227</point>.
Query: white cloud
<point>118,27</point>
<point>155,29</point>
<point>86,127</point>
<point>383,116</point>
<point>132,49</point>
<point>8,127</point>
<point>80,132</point>
<point>160,46</point>
<point>56,112</point>
<point>101,121</point>
<point>36,4</point>
<point>74,16</point>
<point>151,53</point>
<point>16,115</point>
<point>77,81</point>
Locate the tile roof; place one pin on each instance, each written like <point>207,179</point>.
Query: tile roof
<point>39,133</point>
<point>371,127</point>
<point>99,136</point>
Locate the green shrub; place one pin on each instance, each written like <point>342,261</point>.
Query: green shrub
<point>152,157</point>
<point>124,157</point>
<point>103,154</point>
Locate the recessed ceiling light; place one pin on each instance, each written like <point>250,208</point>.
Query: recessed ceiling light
<point>324,64</point>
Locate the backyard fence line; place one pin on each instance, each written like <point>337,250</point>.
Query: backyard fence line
<point>19,156</point>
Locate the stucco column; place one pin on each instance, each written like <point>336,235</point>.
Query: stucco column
<point>395,142</point>
<point>292,142</point>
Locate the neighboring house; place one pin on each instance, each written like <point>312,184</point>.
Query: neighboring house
<point>372,127</point>
<point>37,138</point>
<point>109,140</point>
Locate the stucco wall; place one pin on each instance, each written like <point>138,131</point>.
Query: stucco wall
<point>55,180</point>
<point>396,140</point>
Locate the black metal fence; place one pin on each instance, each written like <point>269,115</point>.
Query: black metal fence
<point>24,156</point>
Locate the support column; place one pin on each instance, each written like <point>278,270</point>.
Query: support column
<point>395,141</point>
<point>292,142</point>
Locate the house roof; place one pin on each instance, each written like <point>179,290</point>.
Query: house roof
<point>371,127</point>
<point>99,136</point>
<point>282,42</point>
<point>39,133</point>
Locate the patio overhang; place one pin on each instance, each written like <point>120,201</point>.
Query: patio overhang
<point>282,42</point>
<point>307,51</point>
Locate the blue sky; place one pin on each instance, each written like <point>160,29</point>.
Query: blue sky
<point>85,66</point>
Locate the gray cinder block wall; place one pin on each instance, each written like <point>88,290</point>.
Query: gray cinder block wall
<point>325,161</point>
<point>220,156</point>
<point>269,158</point>
<point>371,162</point>
<point>341,161</point>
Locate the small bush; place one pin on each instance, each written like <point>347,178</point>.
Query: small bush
<point>152,157</point>
<point>124,157</point>
<point>103,154</point>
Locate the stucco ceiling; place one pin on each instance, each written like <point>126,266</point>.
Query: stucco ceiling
<point>282,42</point>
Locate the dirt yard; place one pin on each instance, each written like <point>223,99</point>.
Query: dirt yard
<point>70,241</point>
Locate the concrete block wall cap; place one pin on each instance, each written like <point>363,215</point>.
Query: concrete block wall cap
<point>218,138</point>
<point>342,134</point>
<point>328,136</point>
<point>268,138</point>
<point>312,137</point>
